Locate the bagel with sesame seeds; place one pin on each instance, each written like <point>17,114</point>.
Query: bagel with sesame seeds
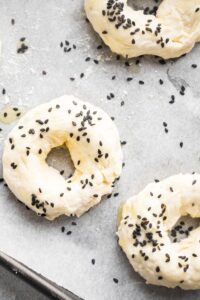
<point>145,222</point>
<point>172,32</point>
<point>94,145</point>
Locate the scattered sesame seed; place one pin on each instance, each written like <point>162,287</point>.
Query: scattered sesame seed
<point>115,280</point>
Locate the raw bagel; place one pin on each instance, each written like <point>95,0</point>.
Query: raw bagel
<point>171,33</point>
<point>143,232</point>
<point>94,146</point>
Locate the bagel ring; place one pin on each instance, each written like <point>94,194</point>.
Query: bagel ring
<point>147,219</point>
<point>94,146</point>
<point>171,33</point>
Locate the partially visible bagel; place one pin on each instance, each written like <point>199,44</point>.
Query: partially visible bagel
<point>146,221</point>
<point>172,32</point>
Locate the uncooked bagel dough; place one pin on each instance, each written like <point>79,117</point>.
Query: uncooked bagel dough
<point>94,145</point>
<point>172,32</point>
<point>146,221</point>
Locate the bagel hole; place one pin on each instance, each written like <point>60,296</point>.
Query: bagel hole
<point>59,158</point>
<point>183,228</point>
<point>148,6</point>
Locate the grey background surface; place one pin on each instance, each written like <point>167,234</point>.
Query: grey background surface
<point>148,154</point>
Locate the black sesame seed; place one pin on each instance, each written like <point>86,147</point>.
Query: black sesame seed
<point>172,99</point>
<point>141,82</point>
<point>157,269</point>
<point>194,66</point>
<point>115,280</point>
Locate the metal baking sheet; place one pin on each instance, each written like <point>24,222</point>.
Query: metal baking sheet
<point>139,111</point>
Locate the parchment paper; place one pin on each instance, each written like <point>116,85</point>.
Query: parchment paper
<point>148,154</point>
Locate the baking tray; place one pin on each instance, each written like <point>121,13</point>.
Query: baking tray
<point>37,281</point>
<point>87,261</point>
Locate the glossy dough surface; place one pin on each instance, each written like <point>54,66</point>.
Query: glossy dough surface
<point>172,32</point>
<point>146,221</point>
<point>94,146</point>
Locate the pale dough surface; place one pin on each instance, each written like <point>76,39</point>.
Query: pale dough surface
<point>171,33</point>
<point>94,146</point>
<point>143,232</point>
